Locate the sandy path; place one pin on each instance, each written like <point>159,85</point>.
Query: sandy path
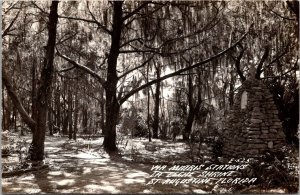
<point>73,170</point>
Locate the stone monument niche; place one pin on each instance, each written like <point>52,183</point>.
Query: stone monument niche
<point>252,126</point>
<point>244,100</point>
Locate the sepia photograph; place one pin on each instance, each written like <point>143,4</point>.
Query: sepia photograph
<point>150,97</point>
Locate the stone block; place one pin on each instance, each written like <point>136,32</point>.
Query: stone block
<point>253,133</point>
<point>253,128</point>
<point>276,120</point>
<point>255,120</point>
<point>270,116</point>
<point>256,104</point>
<point>255,136</point>
<point>253,147</point>
<point>264,136</point>
<point>275,126</point>
<point>253,151</point>
<point>250,140</point>
<point>275,112</point>
<point>278,123</point>
<point>257,146</point>
<point>257,113</point>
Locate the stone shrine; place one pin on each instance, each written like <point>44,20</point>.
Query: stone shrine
<point>253,125</point>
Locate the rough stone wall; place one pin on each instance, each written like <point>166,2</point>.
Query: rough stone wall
<point>250,131</point>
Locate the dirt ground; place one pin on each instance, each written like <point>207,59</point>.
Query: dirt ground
<point>82,167</point>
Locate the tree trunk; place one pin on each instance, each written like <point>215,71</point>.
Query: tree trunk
<point>36,150</point>
<point>148,107</point>
<point>231,94</point>
<point>50,119</point>
<point>33,89</point>
<point>84,119</point>
<point>112,105</point>
<point>189,123</point>
<point>58,109</point>
<point>76,109</point>
<point>70,107</point>
<point>65,112</point>
<point>194,109</point>
<point>6,111</point>
<point>16,101</point>
<point>65,123</point>
<point>75,115</point>
<point>156,106</point>
<point>3,111</point>
<point>14,118</point>
<point>102,111</point>
<point>112,112</point>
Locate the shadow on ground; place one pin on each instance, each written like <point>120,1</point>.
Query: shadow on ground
<point>75,167</point>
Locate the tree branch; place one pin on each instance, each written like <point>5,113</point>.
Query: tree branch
<point>61,41</point>
<point>130,41</point>
<point>209,25</point>
<point>238,64</point>
<point>135,68</point>
<point>39,8</point>
<point>66,69</point>
<point>125,97</point>
<point>82,67</point>
<point>159,49</point>
<point>6,31</point>
<point>261,62</point>
<point>96,21</point>
<point>283,17</point>
<point>280,76</point>
<point>89,21</point>
<point>294,7</point>
<point>135,11</point>
<point>277,58</point>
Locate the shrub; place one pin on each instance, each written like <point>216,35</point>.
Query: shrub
<point>140,127</point>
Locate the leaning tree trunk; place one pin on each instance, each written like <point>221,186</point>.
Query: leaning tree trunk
<point>16,101</point>
<point>6,112</point>
<point>36,150</point>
